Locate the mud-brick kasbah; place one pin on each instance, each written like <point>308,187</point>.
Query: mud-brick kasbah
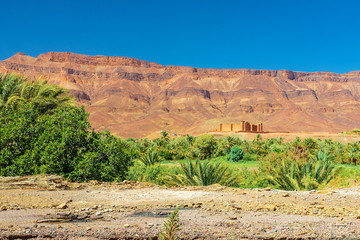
<point>242,127</point>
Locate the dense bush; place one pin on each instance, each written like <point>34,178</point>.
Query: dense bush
<point>205,146</point>
<point>296,172</point>
<point>236,154</point>
<point>153,174</point>
<point>61,143</point>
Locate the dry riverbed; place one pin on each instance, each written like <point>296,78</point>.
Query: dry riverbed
<point>46,207</point>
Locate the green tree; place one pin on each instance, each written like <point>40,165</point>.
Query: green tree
<point>353,155</point>
<point>205,145</point>
<point>61,143</point>
<point>10,85</point>
<point>236,154</point>
<point>16,90</point>
<point>44,96</point>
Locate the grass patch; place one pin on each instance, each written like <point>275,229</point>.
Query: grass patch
<point>348,176</point>
<point>240,164</point>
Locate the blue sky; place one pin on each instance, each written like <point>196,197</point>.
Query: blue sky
<point>301,35</point>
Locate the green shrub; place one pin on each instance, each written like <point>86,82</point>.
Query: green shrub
<point>150,158</point>
<point>202,174</point>
<point>251,178</point>
<point>301,174</point>
<point>250,157</point>
<point>205,145</point>
<point>153,174</point>
<point>236,154</point>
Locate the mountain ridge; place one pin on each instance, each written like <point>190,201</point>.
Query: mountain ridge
<point>136,98</point>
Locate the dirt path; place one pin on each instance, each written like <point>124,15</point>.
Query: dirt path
<point>137,211</point>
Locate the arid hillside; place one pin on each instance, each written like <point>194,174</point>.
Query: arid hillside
<point>135,98</point>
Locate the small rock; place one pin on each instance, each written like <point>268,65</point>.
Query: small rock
<point>126,225</point>
<point>267,189</point>
<point>88,229</point>
<point>271,207</point>
<point>62,206</point>
<point>286,195</point>
<point>232,217</point>
<point>237,207</point>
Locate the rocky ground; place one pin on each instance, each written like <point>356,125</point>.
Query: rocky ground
<point>47,207</point>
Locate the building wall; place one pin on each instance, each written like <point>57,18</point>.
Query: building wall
<point>243,127</point>
<point>237,127</point>
<point>226,128</point>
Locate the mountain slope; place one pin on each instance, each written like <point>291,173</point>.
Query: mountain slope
<point>135,98</point>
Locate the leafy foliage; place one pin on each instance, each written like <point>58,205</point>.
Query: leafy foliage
<point>16,90</point>
<point>302,174</point>
<point>60,143</point>
<point>205,145</point>
<point>150,159</point>
<point>10,85</point>
<point>42,132</point>
<point>202,174</point>
<point>153,174</point>
<point>236,154</point>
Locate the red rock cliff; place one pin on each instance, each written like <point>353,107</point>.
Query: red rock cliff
<point>134,98</point>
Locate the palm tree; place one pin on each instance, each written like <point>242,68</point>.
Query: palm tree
<point>15,90</point>
<point>45,97</point>
<point>353,155</point>
<point>150,159</point>
<point>305,174</point>
<point>10,85</point>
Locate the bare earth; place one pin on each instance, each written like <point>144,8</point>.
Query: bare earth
<point>30,210</point>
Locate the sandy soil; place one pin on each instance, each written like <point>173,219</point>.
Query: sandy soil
<point>138,211</point>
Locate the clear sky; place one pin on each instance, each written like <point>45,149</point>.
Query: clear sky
<point>303,35</point>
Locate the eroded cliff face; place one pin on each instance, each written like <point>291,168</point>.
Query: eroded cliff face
<point>135,98</point>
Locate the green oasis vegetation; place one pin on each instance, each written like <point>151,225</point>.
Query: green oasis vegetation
<point>43,132</point>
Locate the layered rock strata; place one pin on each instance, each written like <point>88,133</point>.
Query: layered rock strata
<point>135,98</point>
